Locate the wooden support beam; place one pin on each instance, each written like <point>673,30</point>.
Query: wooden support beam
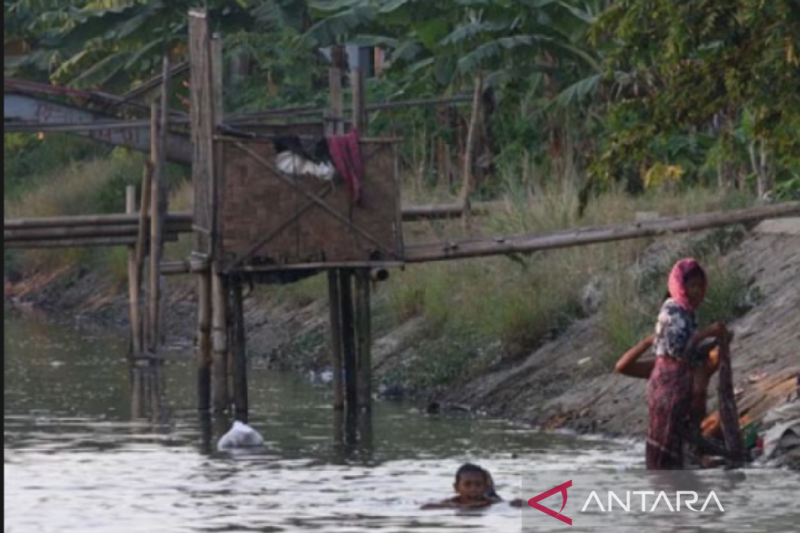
<point>335,324</point>
<point>500,245</point>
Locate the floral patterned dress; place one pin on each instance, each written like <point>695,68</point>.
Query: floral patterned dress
<point>669,390</point>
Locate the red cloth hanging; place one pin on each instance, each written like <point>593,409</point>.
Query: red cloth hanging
<point>346,155</point>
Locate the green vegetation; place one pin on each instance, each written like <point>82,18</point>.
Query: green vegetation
<point>592,110</point>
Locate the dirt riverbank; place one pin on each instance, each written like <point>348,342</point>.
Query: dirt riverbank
<point>564,383</point>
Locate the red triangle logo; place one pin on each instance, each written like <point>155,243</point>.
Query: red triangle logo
<point>534,502</point>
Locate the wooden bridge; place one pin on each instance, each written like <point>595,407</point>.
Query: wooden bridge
<point>250,217</point>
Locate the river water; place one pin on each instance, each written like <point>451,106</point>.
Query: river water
<point>85,452</point>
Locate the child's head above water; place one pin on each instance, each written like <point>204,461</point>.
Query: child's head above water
<point>472,482</point>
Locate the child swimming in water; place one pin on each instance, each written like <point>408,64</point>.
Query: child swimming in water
<point>474,488</point>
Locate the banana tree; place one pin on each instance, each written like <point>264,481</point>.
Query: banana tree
<point>92,43</point>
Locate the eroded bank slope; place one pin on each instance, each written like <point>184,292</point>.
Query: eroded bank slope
<point>566,382</point>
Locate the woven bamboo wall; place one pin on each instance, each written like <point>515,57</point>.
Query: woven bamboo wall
<point>263,222</point>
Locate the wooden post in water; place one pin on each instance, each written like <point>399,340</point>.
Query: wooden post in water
<point>334,297</point>
<point>348,341</point>
<point>239,352</point>
<point>363,331</point>
<point>133,281</point>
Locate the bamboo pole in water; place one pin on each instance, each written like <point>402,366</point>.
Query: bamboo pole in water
<point>204,340</point>
<point>240,350</point>
<point>140,250</point>
<point>348,340</point>
<point>158,205</point>
<point>335,301</point>
<point>154,275</point>
<point>133,281</point>
<point>219,342</point>
<point>363,332</point>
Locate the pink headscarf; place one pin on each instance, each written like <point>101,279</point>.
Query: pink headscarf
<point>677,281</point>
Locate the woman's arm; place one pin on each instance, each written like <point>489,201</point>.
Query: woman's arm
<point>629,365</point>
<point>717,329</point>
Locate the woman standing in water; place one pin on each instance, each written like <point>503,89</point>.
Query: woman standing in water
<point>672,392</point>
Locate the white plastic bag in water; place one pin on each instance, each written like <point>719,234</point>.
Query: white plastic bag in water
<point>240,436</point>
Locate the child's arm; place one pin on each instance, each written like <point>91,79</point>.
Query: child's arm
<point>629,365</point>
<point>444,504</point>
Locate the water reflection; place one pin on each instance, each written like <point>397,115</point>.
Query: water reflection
<point>148,400</point>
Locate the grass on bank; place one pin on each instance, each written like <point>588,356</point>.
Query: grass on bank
<point>477,313</point>
<point>95,186</point>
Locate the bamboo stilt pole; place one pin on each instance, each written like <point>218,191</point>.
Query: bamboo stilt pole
<point>204,340</point>
<point>155,233</point>
<point>335,301</point>
<point>337,103</point>
<point>348,340</point>
<point>359,119</point>
<point>466,189</point>
<point>240,350</point>
<point>363,318</point>
<point>133,281</point>
<point>158,205</point>
<point>219,342</point>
